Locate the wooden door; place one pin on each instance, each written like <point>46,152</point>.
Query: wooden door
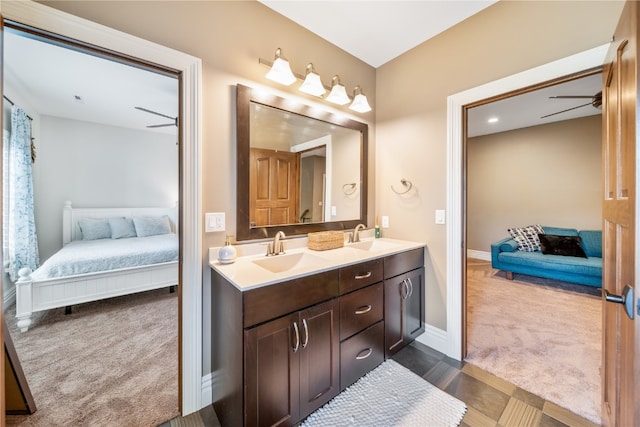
<point>272,371</point>
<point>319,356</point>
<point>621,336</point>
<point>274,181</point>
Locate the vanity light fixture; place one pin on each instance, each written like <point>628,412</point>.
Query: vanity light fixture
<point>360,103</point>
<point>280,70</point>
<point>338,94</point>
<point>312,83</point>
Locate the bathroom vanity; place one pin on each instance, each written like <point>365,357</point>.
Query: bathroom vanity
<point>289,332</point>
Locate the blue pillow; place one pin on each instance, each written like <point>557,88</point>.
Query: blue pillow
<point>592,242</point>
<point>152,225</point>
<point>94,228</point>
<point>121,228</point>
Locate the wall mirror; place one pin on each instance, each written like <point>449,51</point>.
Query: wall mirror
<point>300,169</point>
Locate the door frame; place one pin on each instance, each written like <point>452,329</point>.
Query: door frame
<point>456,128</point>
<point>190,69</point>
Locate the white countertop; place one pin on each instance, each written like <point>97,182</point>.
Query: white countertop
<point>246,273</point>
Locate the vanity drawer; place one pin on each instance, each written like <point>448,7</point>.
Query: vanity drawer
<point>361,309</point>
<point>397,264</point>
<point>360,275</point>
<point>361,353</point>
<point>268,302</point>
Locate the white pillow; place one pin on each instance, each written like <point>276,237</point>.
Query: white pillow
<point>94,228</point>
<point>152,225</point>
<point>121,228</point>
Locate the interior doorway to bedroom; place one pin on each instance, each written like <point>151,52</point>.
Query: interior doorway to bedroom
<point>96,149</point>
<point>545,171</point>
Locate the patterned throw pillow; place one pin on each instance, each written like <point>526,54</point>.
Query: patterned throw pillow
<point>527,237</point>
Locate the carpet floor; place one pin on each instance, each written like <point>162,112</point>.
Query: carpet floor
<point>538,334</point>
<point>110,363</point>
<point>390,395</point>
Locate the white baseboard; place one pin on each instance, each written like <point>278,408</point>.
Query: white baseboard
<point>483,255</point>
<point>435,338</point>
<point>9,297</point>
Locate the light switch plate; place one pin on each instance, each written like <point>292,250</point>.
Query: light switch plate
<point>385,221</point>
<point>440,216</point>
<point>214,222</point>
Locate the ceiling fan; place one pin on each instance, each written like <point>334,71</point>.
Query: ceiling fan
<point>173,123</point>
<point>596,102</point>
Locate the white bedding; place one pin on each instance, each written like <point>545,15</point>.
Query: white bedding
<point>92,256</point>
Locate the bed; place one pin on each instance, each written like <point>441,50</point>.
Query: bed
<point>91,266</point>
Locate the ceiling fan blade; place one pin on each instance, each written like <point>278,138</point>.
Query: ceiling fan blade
<point>564,111</point>
<point>154,112</point>
<point>572,96</point>
<point>161,126</point>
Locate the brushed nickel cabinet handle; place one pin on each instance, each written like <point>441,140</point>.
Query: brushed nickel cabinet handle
<point>404,292</point>
<point>410,287</point>
<point>364,309</point>
<point>363,276</point>
<point>364,354</point>
<point>306,333</point>
<point>295,329</point>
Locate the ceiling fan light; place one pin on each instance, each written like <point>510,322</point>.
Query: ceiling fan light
<point>338,94</point>
<point>312,83</point>
<point>280,71</point>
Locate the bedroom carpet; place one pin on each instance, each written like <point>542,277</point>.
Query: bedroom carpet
<point>537,335</point>
<point>390,395</point>
<point>110,363</point>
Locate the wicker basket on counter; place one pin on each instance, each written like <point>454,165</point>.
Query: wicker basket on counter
<point>324,240</point>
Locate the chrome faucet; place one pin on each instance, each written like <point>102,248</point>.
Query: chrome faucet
<point>354,237</point>
<point>277,246</point>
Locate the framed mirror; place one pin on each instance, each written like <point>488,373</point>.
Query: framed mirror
<point>300,169</point>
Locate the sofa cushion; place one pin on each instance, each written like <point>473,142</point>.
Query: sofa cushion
<point>527,237</point>
<point>509,245</point>
<point>552,244</point>
<point>560,231</point>
<point>592,242</point>
<point>584,266</point>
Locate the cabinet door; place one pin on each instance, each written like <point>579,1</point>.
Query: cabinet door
<point>414,305</point>
<point>272,370</point>
<point>403,310</point>
<point>319,356</point>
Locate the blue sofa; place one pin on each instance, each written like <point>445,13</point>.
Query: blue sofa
<point>506,256</point>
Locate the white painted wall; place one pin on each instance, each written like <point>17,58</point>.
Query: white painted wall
<point>95,165</point>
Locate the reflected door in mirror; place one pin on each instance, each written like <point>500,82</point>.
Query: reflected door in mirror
<point>274,187</point>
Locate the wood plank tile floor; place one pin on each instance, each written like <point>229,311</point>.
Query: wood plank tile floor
<point>491,401</point>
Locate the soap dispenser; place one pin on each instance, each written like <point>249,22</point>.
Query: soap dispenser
<point>227,253</point>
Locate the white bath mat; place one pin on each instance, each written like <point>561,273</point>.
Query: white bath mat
<point>390,395</point>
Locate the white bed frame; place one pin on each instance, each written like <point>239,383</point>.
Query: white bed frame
<point>33,296</point>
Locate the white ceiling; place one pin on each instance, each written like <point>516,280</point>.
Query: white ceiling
<point>377,31</point>
<point>49,78</point>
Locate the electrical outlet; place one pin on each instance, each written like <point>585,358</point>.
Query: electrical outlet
<point>385,221</point>
<point>214,222</point>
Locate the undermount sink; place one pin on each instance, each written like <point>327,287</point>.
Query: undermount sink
<point>373,245</point>
<point>280,263</point>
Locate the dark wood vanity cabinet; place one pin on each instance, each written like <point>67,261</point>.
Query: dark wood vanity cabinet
<point>281,351</point>
<point>291,366</point>
<point>404,288</point>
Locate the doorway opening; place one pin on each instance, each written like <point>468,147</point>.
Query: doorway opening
<point>104,159</point>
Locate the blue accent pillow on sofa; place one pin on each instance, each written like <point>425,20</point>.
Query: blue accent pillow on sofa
<point>592,242</point>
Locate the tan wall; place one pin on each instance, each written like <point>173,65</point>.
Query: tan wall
<point>411,125</point>
<point>547,175</point>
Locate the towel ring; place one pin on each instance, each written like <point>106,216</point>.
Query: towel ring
<point>406,183</point>
<point>349,188</point>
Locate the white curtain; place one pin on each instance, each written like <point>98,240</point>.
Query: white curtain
<point>22,242</point>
